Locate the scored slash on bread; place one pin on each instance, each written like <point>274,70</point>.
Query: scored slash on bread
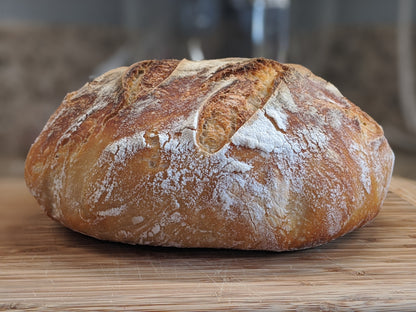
<point>229,153</point>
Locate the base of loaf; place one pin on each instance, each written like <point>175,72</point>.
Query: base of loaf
<point>231,153</point>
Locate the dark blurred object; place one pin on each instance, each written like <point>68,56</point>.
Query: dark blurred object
<point>51,47</point>
<point>406,69</point>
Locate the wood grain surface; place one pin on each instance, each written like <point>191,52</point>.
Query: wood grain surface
<point>45,267</point>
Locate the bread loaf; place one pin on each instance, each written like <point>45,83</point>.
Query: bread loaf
<point>229,153</point>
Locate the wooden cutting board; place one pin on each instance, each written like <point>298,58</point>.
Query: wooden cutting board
<point>45,267</point>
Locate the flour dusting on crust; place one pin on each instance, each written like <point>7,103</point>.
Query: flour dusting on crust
<point>271,132</point>
<point>233,153</point>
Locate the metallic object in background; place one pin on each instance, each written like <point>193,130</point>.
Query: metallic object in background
<point>199,29</point>
<point>270,28</point>
<point>198,18</point>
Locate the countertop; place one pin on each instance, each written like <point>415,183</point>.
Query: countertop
<point>46,267</point>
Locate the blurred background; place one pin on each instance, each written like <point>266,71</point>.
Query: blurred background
<point>50,47</point>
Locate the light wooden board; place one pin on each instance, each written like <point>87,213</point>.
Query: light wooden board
<point>45,267</point>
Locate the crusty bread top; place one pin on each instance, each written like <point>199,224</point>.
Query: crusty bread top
<point>200,130</point>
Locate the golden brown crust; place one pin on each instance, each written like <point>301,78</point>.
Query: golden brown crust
<point>231,153</point>
<point>230,107</point>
